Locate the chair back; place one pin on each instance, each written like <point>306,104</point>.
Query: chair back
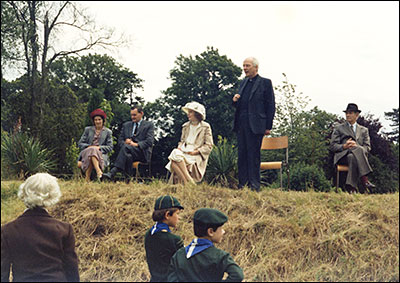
<point>275,142</point>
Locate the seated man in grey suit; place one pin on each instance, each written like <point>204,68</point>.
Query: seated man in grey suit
<point>135,142</point>
<point>350,142</point>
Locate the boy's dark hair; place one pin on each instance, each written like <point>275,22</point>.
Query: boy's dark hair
<point>159,214</point>
<point>200,229</point>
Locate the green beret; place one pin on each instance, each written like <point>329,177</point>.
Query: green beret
<point>167,202</point>
<point>210,216</point>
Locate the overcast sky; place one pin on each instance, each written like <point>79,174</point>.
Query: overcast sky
<point>335,52</point>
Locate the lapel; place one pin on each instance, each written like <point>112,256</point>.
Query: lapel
<point>358,131</point>
<point>91,134</point>
<point>130,128</point>
<point>103,136</point>
<point>255,86</point>
<point>243,85</point>
<point>140,128</point>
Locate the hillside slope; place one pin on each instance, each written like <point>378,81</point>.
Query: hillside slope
<point>273,235</point>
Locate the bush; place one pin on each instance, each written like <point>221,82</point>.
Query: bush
<point>222,164</point>
<point>385,180</point>
<point>24,155</point>
<point>304,177</point>
<point>71,158</point>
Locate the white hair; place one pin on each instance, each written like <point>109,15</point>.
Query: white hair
<point>254,60</point>
<point>41,190</point>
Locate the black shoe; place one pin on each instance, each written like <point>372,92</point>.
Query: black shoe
<point>351,189</point>
<point>107,177</point>
<point>369,186</point>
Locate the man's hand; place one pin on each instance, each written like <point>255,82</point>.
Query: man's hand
<point>350,143</point>
<point>267,132</point>
<point>236,97</point>
<point>131,143</point>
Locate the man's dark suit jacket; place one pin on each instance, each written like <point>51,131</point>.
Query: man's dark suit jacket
<point>144,136</point>
<point>261,106</point>
<point>39,248</point>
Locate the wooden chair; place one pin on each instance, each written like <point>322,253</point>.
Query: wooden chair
<point>269,143</point>
<point>340,168</point>
<point>136,164</point>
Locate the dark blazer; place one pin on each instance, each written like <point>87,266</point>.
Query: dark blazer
<point>342,133</point>
<point>39,248</point>
<point>105,142</point>
<point>206,266</point>
<point>144,136</point>
<point>261,105</point>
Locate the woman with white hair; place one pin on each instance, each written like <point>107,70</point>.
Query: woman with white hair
<point>188,161</point>
<point>35,246</point>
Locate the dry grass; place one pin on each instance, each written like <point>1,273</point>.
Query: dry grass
<point>272,235</point>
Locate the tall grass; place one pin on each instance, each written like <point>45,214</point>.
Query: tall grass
<point>273,235</point>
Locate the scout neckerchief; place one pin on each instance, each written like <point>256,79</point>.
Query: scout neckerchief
<point>196,246</point>
<point>158,227</point>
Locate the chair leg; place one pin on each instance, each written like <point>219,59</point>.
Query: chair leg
<point>337,178</point>
<point>137,172</point>
<point>281,178</point>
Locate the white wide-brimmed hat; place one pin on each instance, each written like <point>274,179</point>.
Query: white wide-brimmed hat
<point>195,106</point>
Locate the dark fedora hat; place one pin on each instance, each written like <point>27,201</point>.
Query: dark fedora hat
<point>352,107</point>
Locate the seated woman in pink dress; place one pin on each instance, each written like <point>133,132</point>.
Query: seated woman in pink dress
<point>95,143</point>
<point>188,161</point>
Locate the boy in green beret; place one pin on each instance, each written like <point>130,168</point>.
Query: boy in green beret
<point>160,244</point>
<point>201,261</point>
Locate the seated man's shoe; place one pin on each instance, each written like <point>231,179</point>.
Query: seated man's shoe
<point>110,175</point>
<point>106,177</point>
<point>369,186</point>
<point>351,189</point>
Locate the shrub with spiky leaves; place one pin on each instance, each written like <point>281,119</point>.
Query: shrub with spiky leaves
<point>222,164</point>
<point>24,155</point>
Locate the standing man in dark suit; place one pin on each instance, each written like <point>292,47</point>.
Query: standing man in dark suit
<point>135,141</point>
<point>350,142</point>
<point>255,111</point>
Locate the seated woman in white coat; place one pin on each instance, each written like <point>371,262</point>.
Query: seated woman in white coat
<point>188,161</point>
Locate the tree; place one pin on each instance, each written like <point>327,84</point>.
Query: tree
<point>11,51</point>
<point>394,117</point>
<point>38,23</point>
<point>289,106</point>
<point>210,79</point>
<point>384,158</point>
<point>98,79</point>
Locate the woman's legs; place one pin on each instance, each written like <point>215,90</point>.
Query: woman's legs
<point>88,172</point>
<point>181,171</point>
<point>95,163</point>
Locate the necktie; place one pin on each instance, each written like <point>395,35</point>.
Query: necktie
<point>135,126</point>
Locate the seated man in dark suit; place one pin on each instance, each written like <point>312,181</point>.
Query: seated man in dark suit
<point>351,143</point>
<point>135,142</point>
